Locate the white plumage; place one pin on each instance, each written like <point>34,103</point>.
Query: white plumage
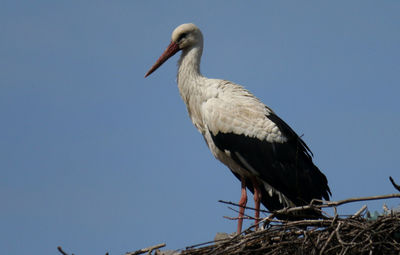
<point>260,149</point>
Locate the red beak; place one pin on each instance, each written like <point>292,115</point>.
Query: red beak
<point>171,50</point>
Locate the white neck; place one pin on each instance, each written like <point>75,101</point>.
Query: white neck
<point>191,84</point>
<point>189,64</point>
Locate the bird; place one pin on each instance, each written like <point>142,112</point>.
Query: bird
<point>259,148</point>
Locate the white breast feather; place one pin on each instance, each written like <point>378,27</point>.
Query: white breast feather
<point>237,111</point>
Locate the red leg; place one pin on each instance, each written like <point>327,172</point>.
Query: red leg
<point>242,204</point>
<point>257,199</point>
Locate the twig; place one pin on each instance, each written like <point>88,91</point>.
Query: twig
<point>201,244</point>
<point>357,199</point>
<point>327,242</point>
<point>396,186</point>
<point>236,218</point>
<point>246,207</point>
<point>359,212</point>
<point>326,204</point>
<point>245,216</point>
<point>62,251</point>
<point>148,249</point>
<point>339,238</point>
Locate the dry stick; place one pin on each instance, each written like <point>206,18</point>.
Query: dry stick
<point>327,242</point>
<point>358,199</point>
<point>245,216</point>
<point>222,241</point>
<point>148,249</point>
<point>363,208</point>
<point>396,186</point>
<point>334,219</point>
<point>246,207</point>
<point>340,239</point>
<point>62,251</point>
<point>326,204</point>
<point>236,218</point>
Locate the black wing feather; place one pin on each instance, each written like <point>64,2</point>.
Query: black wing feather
<point>287,167</point>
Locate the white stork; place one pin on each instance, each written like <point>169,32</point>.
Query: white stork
<point>260,149</point>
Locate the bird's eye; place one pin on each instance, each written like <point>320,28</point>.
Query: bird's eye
<point>183,35</point>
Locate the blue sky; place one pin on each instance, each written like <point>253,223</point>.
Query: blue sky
<point>95,158</point>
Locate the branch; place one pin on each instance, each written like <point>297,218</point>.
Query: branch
<point>313,205</point>
<point>62,251</point>
<point>396,186</point>
<point>358,199</point>
<point>359,212</point>
<point>148,249</point>
<point>326,204</point>
<point>246,207</point>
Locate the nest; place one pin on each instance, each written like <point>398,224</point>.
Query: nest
<point>356,234</point>
<point>352,235</point>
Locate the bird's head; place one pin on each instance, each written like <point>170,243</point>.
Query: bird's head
<point>183,37</point>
